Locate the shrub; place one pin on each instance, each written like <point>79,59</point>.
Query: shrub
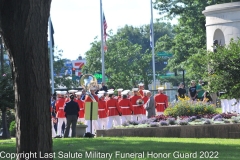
<point>12,129</point>
<point>188,108</point>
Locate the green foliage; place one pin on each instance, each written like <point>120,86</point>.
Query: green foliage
<point>190,33</point>
<point>6,89</point>
<point>187,108</point>
<point>12,129</point>
<point>128,60</point>
<point>224,67</point>
<point>65,80</point>
<point>10,116</point>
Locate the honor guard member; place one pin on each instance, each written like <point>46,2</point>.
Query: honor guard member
<point>71,92</point>
<point>126,108</point>
<point>119,93</point>
<point>60,103</point>
<point>114,111</point>
<point>161,101</point>
<point>141,88</point>
<point>52,120</point>
<point>145,99</point>
<point>102,112</point>
<point>71,110</point>
<point>81,107</point>
<point>137,104</point>
<point>126,91</point>
<point>103,93</point>
<point>92,98</point>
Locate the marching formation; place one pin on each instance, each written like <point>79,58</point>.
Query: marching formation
<point>113,110</point>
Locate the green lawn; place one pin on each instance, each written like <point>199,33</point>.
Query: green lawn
<point>140,148</point>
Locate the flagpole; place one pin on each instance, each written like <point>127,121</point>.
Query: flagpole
<point>153,53</point>
<point>51,53</point>
<point>102,45</point>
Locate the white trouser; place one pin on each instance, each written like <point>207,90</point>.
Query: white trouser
<point>82,120</point>
<point>102,123</point>
<point>59,126</point>
<point>53,130</point>
<point>144,116</point>
<point>116,120</point>
<point>126,118</point>
<point>137,117</point>
<point>159,113</point>
<point>94,125</point>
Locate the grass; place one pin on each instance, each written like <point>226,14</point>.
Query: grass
<point>221,149</point>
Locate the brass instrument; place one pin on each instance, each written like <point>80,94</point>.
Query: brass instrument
<point>87,81</point>
<point>139,102</point>
<point>138,93</point>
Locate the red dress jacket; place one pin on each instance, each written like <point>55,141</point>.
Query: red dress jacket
<point>81,108</point>
<point>89,99</point>
<point>136,109</point>
<point>161,101</point>
<point>126,106</point>
<point>102,108</point>
<point>60,103</point>
<point>112,107</point>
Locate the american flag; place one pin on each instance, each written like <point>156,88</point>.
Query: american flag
<point>105,32</point>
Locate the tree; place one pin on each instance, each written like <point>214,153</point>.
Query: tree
<point>23,25</point>
<point>128,60</point>
<point>6,92</point>
<point>190,33</point>
<point>224,68</point>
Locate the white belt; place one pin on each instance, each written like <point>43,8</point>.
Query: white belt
<point>124,107</point>
<point>160,103</point>
<point>61,107</point>
<point>81,109</point>
<point>111,107</point>
<point>101,109</point>
<point>136,105</point>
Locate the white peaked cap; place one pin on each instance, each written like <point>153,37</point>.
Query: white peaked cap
<point>72,91</point>
<point>145,91</point>
<point>99,95</point>
<point>58,92</point>
<point>63,92</point>
<point>110,89</point>
<point>124,93</point>
<point>101,92</point>
<point>120,90</point>
<point>160,88</point>
<point>135,89</point>
<point>92,88</point>
<point>78,93</point>
<point>140,84</point>
<point>110,92</point>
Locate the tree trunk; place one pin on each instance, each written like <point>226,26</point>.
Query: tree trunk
<point>5,132</point>
<point>23,25</point>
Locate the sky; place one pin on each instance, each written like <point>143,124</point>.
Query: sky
<point>77,22</point>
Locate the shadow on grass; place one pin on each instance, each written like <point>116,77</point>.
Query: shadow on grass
<point>146,148</point>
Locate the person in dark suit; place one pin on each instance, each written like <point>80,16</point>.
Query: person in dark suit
<point>71,112</point>
<point>104,88</point>
<point>150,105</point>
